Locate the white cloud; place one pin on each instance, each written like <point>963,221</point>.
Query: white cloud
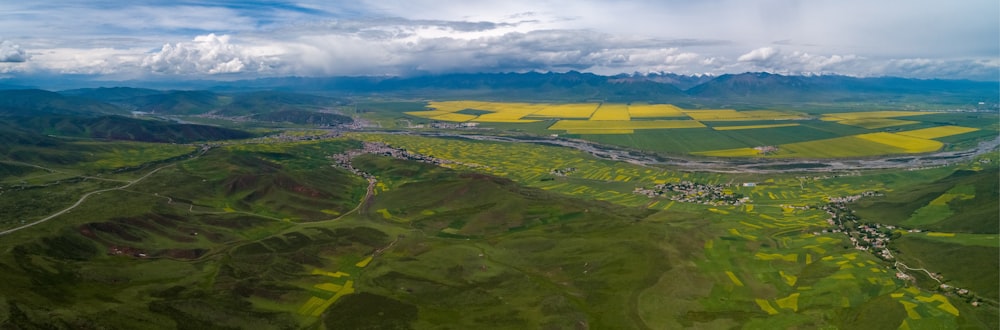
<point>316,38</point>
<point>10,52</point>
<point>759,55</point>
<point>207,54</point>
<point>776,60</point>
<point>945,69</point>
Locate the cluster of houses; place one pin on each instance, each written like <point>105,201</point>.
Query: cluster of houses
<point>875,239</point>
<point>283,137</point>
<point>562,171</point>
<point>444,125</point>
<point>863,236</point>
<point>764,150</point>
<point>692,192</point>
<point>343,160</point>
<point>854,198</point>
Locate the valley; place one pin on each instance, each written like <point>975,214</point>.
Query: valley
<point>385,213</point>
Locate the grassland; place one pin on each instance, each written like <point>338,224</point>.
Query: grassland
<point>733,128</point>
<point>861,115</point>
<point>574,126</point>
<point>244,236</point>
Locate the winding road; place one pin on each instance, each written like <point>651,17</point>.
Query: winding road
<point>81,200</point>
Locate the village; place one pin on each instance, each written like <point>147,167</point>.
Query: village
<point>343,160</point>
<point>875,238</point>
<point>698,193</point>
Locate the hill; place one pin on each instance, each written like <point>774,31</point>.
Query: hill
<point>29,102</point>
<point>127,129</point>
<point>754,86</point>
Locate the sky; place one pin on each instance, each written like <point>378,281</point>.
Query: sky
<point>235,39</point>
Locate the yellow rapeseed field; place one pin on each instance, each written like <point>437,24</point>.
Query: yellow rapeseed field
<point>937,132</point>
<point>569,110</point>
<point>876,123</point>
<point>654,110</point>
<point>615,112</point>
<point>908,143</point>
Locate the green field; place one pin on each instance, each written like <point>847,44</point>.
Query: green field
<point>269,234</point>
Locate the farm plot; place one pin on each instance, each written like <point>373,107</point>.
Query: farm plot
<point>455,117</point>
<point>847,146</point>
<point>570,110</point>
<point>876,123</point>
<point>938,132</point>
<point>611,112</point>
<point>872,115</point>
<point>672,140</point>
<point>597,125</point>
<point>907,143</point>
<point>861,145</point>
<point>734,128</point>
<point>733,115</point>
<point>508,112</point>
<point>654,111</point>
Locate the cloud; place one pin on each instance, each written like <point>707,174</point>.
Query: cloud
<point>395,37</point>
<point>945,69</point>
<point>798,62</point>
<point>207,54</point>
<point>759,55</point>
<point>10,52</point>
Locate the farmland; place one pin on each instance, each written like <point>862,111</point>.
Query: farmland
<point>670,129</point>
<point>794,261</point>
<point>416,221</point>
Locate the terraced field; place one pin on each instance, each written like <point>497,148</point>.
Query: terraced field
<point>769,254</point>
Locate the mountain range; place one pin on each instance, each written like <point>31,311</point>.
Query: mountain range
<point>729,89</point>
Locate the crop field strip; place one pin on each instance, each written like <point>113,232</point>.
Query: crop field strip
<point>654,111</point>
<point>569,110</point>
<point>733,115</point>
<point>611,112</point>
<point>860,145</point>
<point>938,132</point>
<point>872,115</point>
<point>876,123</point>
<point>570,125</point>
<point>735,128</point>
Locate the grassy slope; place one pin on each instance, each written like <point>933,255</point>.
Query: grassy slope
<point>154,258</point>
<point>517,257</point>
<point>976,215</point>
